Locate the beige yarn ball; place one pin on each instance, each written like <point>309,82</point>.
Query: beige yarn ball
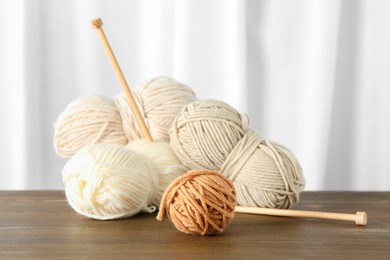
<point>98,119</point>
<point>167,165</point>
<point>161,100</point>
<point>108,181</point>
<point>88,120</point>
<point>211,134</point>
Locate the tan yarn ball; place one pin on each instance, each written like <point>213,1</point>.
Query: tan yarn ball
<point>200,202</point>
<point>160,154</point>
<point>211,134</point>
<point>108,181</point>
<point>99,119</point>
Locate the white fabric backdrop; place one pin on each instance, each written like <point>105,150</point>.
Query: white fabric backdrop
<point>312,75</point>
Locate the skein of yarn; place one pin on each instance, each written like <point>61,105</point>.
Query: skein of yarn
<point>99,119</point>
<point>108,181</point>
<point>200,202</point>
<point>167,165</point>
<point>211,134</point>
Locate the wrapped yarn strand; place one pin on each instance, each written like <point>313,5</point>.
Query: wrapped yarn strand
<point>200,202</point>
<point>97,24</point>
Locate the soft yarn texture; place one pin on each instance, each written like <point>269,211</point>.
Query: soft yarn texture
<point>211,134</point>
<point>108,181</point>
<point>99,119</point>
<point>167,165</point>
<point>200,202</point>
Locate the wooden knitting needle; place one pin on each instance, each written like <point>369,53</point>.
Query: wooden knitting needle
<point>97,24</point>
<point>360,218</point>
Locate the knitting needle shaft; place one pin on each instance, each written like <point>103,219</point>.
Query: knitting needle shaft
<point>360,218</point>
<point>97,24</point>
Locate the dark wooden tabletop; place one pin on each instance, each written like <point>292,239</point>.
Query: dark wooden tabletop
<point>40,224</point>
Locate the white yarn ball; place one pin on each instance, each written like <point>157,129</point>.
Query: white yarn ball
<point>166,162</point>
<point>108,181</point>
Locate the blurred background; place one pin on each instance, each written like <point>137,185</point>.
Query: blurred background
<point>312,75</point>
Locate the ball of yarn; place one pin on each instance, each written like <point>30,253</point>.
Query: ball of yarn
<point>161,155</point>
<point>162,99</point>
<point>211,134</point>
<point>108,181</point>
<point>88,120</point>
<point>99,119</point>
<point>201,202</point>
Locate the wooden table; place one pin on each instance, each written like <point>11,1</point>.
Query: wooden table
<point>40,224</point>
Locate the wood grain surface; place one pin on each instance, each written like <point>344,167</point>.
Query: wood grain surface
<point>41,225</point>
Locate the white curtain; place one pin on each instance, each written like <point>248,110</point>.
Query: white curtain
<point>312,75</point>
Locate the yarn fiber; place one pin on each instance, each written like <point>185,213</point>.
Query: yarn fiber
<point>167,165</point>
<point>108,181</point>
<point>200,202</point>
<point>99,119</point>
<point>213,135</point>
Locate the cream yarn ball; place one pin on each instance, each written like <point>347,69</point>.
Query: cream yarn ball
<point>88,120</point>
<point>99,119</point>
<point>108,181</point>
<point>211,134</point>
<point>162,99</point>
<point>167,165</point>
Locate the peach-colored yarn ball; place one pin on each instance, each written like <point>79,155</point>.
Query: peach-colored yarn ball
<point>200,202</point>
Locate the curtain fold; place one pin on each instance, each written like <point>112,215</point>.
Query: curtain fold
<point>312,75</point>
